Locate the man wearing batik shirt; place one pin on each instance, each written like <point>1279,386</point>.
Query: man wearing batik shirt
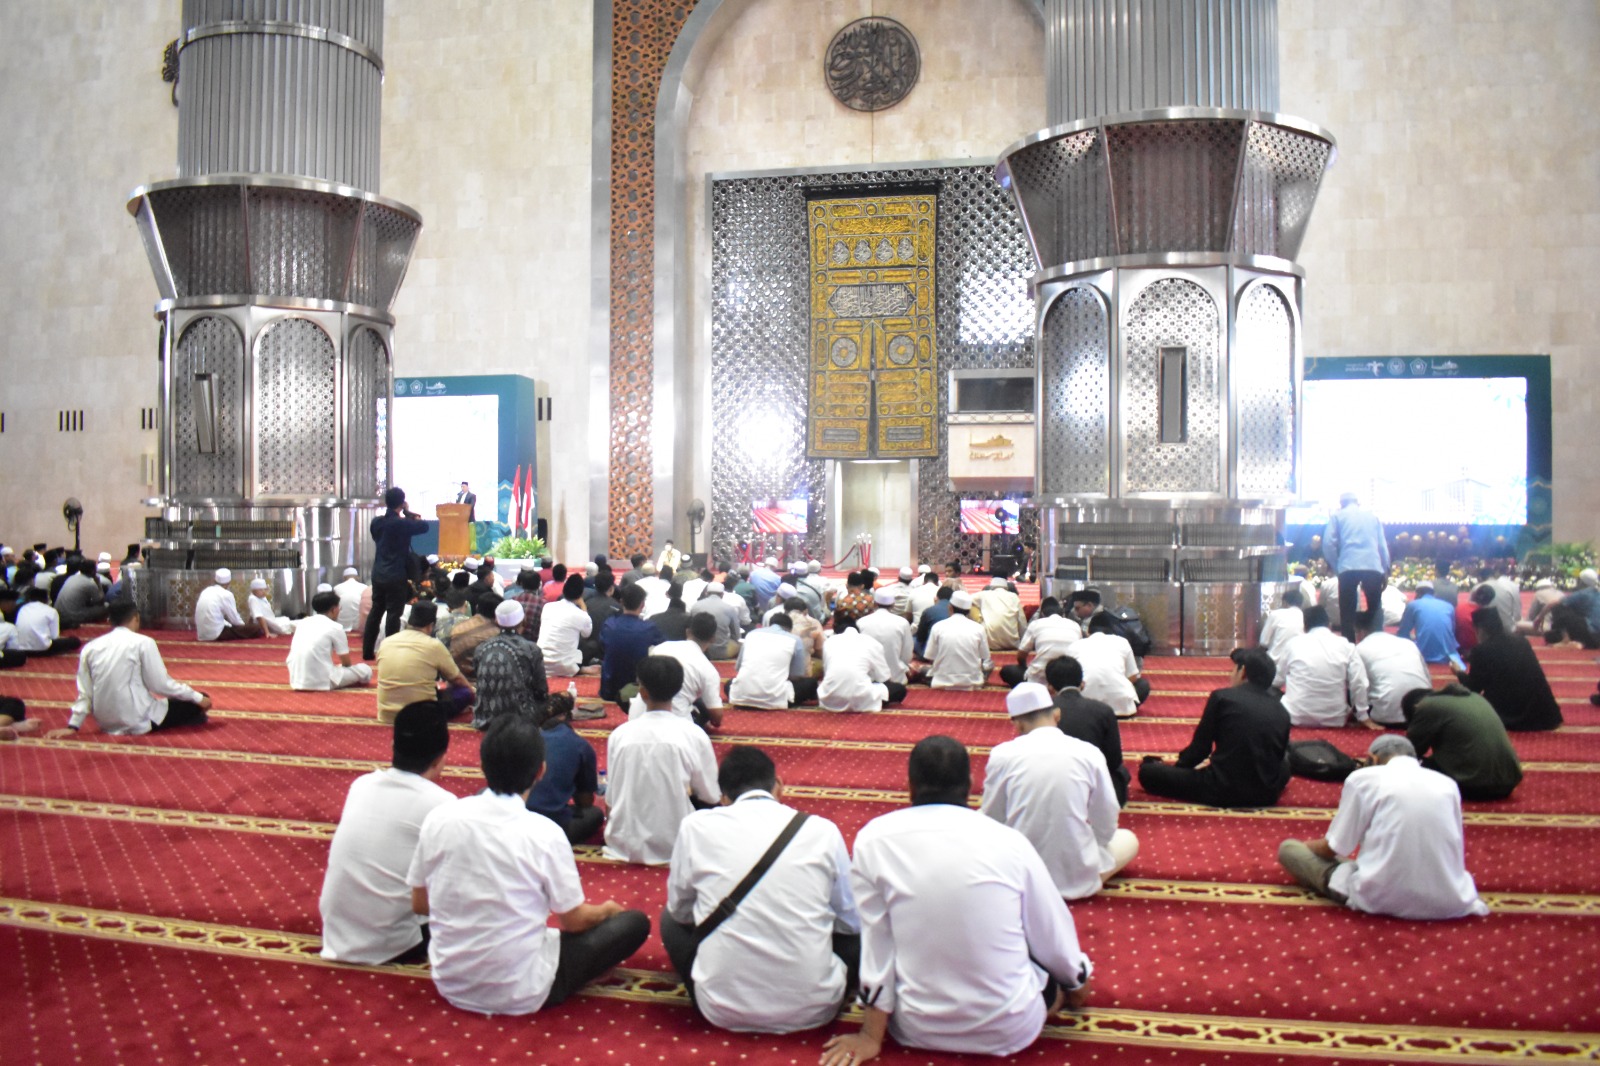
<point>531,596</point>
<point>468,634</point>
<point>857,599</point>
<point>509,670</point>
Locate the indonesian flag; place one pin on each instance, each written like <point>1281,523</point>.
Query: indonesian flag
<point>526,513</point>
<point>516,500</point>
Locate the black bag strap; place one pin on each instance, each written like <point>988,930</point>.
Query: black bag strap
<point>726,908</point>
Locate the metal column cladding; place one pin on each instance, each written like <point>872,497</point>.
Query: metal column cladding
<point>874,387</point>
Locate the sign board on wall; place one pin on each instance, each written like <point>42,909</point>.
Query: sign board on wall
<point>996,454</point>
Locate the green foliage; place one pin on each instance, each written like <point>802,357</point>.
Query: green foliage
<point>517,548</point>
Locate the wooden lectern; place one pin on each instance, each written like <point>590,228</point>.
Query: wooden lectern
<point>455,531</point>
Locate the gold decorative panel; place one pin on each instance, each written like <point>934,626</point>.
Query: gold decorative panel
<point>874,386</point>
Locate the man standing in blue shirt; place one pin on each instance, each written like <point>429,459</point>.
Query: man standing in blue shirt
<point>391,587</point>
<point>1431,622</point>
<point>1356,548</point>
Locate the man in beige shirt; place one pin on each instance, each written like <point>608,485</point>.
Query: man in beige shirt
<point>410,664</point>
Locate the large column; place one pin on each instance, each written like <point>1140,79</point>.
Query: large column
<point>1165,214</point>
<point>277,264</point>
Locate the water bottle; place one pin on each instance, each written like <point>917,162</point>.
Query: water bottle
<point>572,690</point>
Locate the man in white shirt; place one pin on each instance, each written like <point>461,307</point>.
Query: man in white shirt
<point>825,593</point>
<point>562,624</point>
<point>900,603</point>
<point>261,610</point>
<point>318,639</point>
<point>350,591</point>
<point>1048,636</point>
<point>1055,790</point>
<point>1393,666</point>
<point>39,627</point>
<point>892,632</point>
<point>699,696</point>
<point>923,595</point>
<point>965,943</point>
<point>1322,676</point>
<point>1110,670</point>
<point>1282,625</point>
<point>489,874</point>
<point>1402,823</point>
<point>770,673</point>
<point>855,676</point>
<point>216,614</point>
<point>1002,615</point>
<point>655,591</point>
<point>958,648</point>
<point>366,903</point>
<point>731,613</point>
<point>787,957</point>
<point>124,684</point>
<point>654,763</point>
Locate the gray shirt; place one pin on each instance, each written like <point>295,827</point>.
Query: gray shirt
<point>79,594</point>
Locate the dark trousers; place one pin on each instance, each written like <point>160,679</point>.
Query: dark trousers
<point>88,614</point>
<point>682,946</point>
<point>805,690</point>
<point>591,649</point>
<point>10,660</point>
<point>1194,786</point>
<point>586,956</point>
<point>57,646</point>
<point>415,956</point>
<point>584,823</point>
<point>897,691</point>
<point>388,598</point>
<point>249,631</point>
<point>180,713</point>
<point>1371,583</point>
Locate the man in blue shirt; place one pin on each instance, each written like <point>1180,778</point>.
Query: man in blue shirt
<point>1355,546</point>
<point>1431,623</point>
<point>391,587</point>
<point>1577,616</point>
<point>765,581</point>
<point>565,791</point>
<point>625,639</point>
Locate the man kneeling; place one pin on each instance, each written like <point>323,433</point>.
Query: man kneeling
<point>786,955</point>
<point>491,950</point>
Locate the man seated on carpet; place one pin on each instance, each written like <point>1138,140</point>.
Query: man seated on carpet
<point>724,607</point>
<point>1457,733</point>
<point>216,613</point>
<point>1083,605</point>
<point>771,672</point>
<point>809,632</point>
<point>1393,666</point>
<point>923,595</point>
<point>508,670</point>
<point>468,633</point>
<point>958,648</point>
<point>410,665</point>
<point>489,874</point>
<point>82,598</point>
<point>1055,790</point>
<point>565,792</point>
<point>1047,637</point>
<point>1431,623</point>
<point>14,720</point>
<point>564,625</point>
<point>855,676</point>
<point>318,640</point>
<point>1576,616</point>
<point>1504,668</point>
<point>455,608</point>
<point>262,611</point>
<point>10,657</point>
<point>366,903</point>
<point>626,638</point>
<point>966,945</point>
<point>1282,625</point>
<point>1243,738</point>
<point>932,615</point>
<point>1088,720</point>
<point>1405,822</point>
<point>698,699</point>
<point>39,627</point>
<point>658,767</point>
<point>351,591</point>
<point>1322,677</point>
<point>857,599</point>
<point>787,957</point>
<point>891,631</point>
<point>1110,669</point>
<point>124,684</point>
<point>1001,610</point>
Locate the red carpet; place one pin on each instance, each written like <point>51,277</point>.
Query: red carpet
<point>160,897</point>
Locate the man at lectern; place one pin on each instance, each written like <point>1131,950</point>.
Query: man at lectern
<point>468,497</point>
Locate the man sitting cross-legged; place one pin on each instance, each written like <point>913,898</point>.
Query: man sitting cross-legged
<point>410,664</point>
<point>1049,636</point>
<point>317,640</point>
<point>216,612</point>
<point>565,792</point>
<point>1055,790</point>
<point>699,696</point>
<point>958,649</point>
<point>39,627</point>
<point>771,671</point>
<point>654,763</point>
<point>124,684</point>
<point>1322,676</point>
<point>1089,720</point>
<point>508,670</point>
<point>366,903</point>
<point>786,957</point>
<point>1405,823</point>
<point>489,874</point>
<point>965,943</point>
<point>855,676</point>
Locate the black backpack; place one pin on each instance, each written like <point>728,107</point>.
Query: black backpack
<point>1320,761</point>
<point>1126,623</point>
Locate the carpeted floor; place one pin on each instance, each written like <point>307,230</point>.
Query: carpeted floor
<point>158,897</point>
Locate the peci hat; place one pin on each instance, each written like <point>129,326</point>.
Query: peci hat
<point>1424,585</point>
<point>1028,697</point>
<point>432,560</point>
<point>223,575</point>
<point>884,597</point>
<point>103,557</point>
<point>509,614</point>
<point>814,567</point>
<point>351,571</point>
<point>716,586</point>
<point>906,573</point>
<point>786,590</point>
<point>924,568</point>
<point>961,600</point>
<point>103,566</point>
<point>472,563</point>
<point>1543,583</point>
<point>324,587</point>
<point>258,585</point>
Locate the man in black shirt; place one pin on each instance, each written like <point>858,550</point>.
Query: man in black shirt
<point>1244,731</point>
<point>1504,668</point>
<point>1088,720</point>
<point>391,590</point>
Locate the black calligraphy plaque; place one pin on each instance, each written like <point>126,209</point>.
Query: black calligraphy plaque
<point>872,64</point>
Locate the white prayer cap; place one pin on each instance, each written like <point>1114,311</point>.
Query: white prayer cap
<point>1588,577</point>
<point>103,557</point>
<point>590,568</point>
<point>1544,583</point>
<point>771,561</point>
<point>509,614</point>
<point>717,586</point>
<point>924,568</point>
<point>1028,697</point>
<point>351,571</point>
<point>61,568</point>
<point>223,575</point>
<point>324,587</point>
<point>258,585</point>
<point>530,564</point>
<point>906,573</point>
<point>997,582</point>
<point>961,600</point>
<point>6,550</point>
<point>104,566</point>
<point>814,567</point>
<point>432,559</point>
<point>884,597</point>
<point>797,567</point>
<point>472,563</point>
<point>786,590</point>
<point>648,569</point>
<point>1424,585</point>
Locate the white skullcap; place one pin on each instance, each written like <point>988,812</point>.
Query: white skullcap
<point>797,567</point>
<point>258,585</point>
<point>1424,585</point>
<point>1588,577</point>
<point>771,560</point>
<point>471,563</point>
<point>717,586</point>
<point>1544,583</point>
<point>590,568</point>
<point>223,575</point>
<point>961,600</point>
<point>61,568</point>
<point>530,564</point>
<point>6,550</point>
<point>351,571</point>
<point>103,557</point>
<point>103,566</point>
<point>786,590</point>
<point>924,568</point>
<point>432,559</point>
<point>1028,697</point>
<point>509,614</point>
<point>906,573</point>
<point>324,587</point>
<point>814,567</point>
<point>997,582</point>
<point>883,597</point>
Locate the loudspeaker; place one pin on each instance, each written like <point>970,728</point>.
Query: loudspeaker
<point>1001,565</point>
<point>697,561</point>
<point>541,530</point>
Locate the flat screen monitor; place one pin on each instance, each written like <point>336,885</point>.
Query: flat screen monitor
<point>997,517</point>
<point>779,516</point>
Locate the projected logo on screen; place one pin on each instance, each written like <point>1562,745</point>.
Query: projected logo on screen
<point>779,516</point>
